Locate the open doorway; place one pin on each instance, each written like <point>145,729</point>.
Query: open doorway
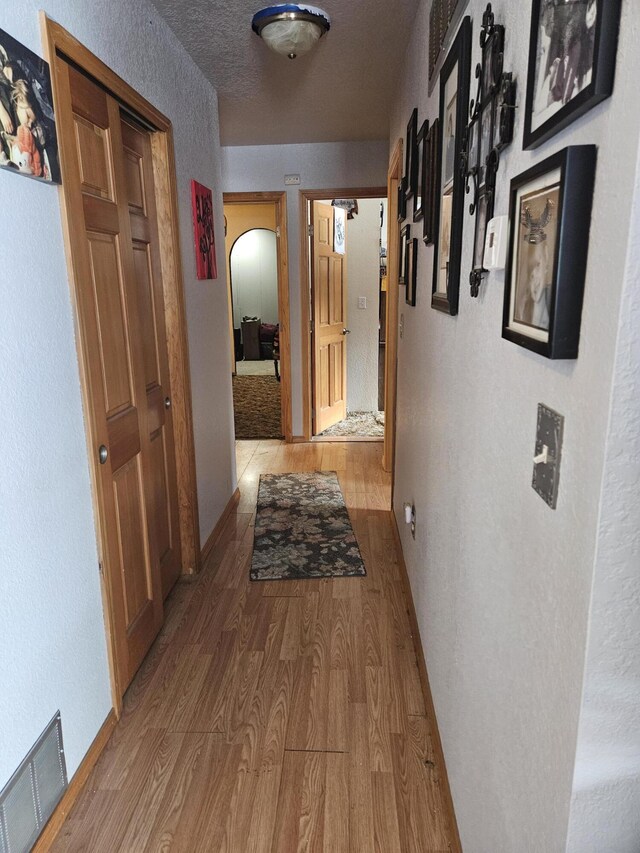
<point>347,305</point>
<point>258,314</point>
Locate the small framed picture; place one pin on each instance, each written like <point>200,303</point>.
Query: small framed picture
<point>405,235</point>
<point>339,230</point>
<point>411,156</point>
<point>402,200</point>
<point>432,187</point>
<point>572,58</point>
<point>411,277</point>
<point>421,157</point>
<point>203,231</point>
<point>550,215</point>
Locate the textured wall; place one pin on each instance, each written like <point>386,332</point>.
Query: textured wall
<point>328,165</point>
<point>363,279</point>
<point>606,784</point>
<point>51,625</point>
<point>501,583</point>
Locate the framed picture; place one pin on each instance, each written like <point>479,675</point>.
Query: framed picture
<point>402,200</point>
<point>550,215</point>
<point>432,186</point>
<point>202,209</point>
<point>411,156</point>
<point>489,130</point>
<point>405,235</point>
<point>339,230</point>
<point>572,58</point>
<point>454,102</point>
<point>28,140</point>
<point>412,272</point>
<point>423,165</point>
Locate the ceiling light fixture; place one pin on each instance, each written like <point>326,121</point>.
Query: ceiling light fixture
<point>291,29</point>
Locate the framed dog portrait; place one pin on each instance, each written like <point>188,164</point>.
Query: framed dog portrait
<point>550,216</point>
<point>572,58</point>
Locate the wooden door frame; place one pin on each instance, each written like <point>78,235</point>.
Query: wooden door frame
<point>394,177</point>
<point>60,44</point>
<point>307,196</point>
<point>284,315</point>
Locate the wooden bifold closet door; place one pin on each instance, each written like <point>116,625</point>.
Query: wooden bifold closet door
<point>110,200</point>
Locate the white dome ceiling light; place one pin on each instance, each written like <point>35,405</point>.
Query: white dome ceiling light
<point>291,29</point>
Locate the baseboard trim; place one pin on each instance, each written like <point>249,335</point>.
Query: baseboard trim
<point>426,689</point>
<point>210,544</point>
<point>55,822</point>
<point>299,439</point>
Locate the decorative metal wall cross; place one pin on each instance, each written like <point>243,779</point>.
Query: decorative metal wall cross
<point>490,129</point>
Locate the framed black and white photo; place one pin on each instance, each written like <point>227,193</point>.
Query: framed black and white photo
<point>432,186</point>
<point>411,156</point>
<point>411,277</point>
<point>28,141</point>
<point>454,102</point>
<point>423,165</point>
<point>550,216</point>
<point>572,58</point>
<point>405,235</point>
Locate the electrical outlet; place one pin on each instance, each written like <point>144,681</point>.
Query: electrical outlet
<point>401,326</point>
<point>291,180</point>
<point>413,521</point>
<point>362,301</point>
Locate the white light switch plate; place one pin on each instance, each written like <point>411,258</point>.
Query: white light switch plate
<point>362,301</point>
<point>291,180</point>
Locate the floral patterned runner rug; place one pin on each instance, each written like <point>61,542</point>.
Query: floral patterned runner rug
<point>303,529</point>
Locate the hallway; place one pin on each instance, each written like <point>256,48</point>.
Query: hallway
<point>276,716</point>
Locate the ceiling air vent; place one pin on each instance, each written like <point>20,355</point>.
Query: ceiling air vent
<point>28,799</point>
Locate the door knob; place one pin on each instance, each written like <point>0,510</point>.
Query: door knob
<point>103,454</point>
<point>167,403</point>
<point>346,331</point>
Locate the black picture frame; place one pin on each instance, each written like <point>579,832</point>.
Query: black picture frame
<point>423,164</point>
<point>550,215</point>
<point>454,80</point>
<point>604,41</point>
<point>405,235</point>
<point>411,277</point>
<point>490,129</point>
<point>432,189</point>
<point>411,159</point>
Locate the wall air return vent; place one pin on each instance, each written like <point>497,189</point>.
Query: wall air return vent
<point>28,799</point>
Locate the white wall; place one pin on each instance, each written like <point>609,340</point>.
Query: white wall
<point>52,640</point>
<point>330,165</point>
<point>254,276</point>
<point>502,584</point>
<point>606,783</point>
<point>363,279</point>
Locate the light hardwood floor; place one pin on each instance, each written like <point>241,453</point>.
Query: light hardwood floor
<point>276,716</point>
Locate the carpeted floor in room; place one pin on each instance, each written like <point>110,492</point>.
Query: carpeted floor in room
<point>256,407</point>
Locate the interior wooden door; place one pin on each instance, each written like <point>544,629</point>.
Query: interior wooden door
<point>147,271</point>
<point>109,318</point>
<point>329,312</point>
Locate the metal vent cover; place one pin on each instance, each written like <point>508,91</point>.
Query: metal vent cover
<point>28,799</point>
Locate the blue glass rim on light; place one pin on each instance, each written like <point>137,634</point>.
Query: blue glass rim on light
<point>302,12</point>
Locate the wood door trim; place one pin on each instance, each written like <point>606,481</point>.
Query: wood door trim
<point>305,284</point>
<point>426,688</point>
<point>59,44</point>
<point>284,313</point>
<point>391,327</point>
<point>76,786</point>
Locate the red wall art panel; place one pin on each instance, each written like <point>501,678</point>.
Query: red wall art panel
<point>202,203</point>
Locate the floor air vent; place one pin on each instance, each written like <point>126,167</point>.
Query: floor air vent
<point>28,799</point>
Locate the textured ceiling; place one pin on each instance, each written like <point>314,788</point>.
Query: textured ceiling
<point>340,91</point>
